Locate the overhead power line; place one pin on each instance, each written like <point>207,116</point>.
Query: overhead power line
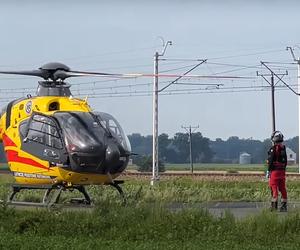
<point>226,57</point>
<point>279,78</point>
<point>91,90</point>
<point>247,89</point>
<point>190,70</point>
<point>272,85</point>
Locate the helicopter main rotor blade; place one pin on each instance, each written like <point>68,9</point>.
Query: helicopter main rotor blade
<point>135,75</point>
<point>87,73</point>
<point>57,71</point>
<point>84,73</point>
<point>59,74</point>
<point>38,73</point>
<point>62,74</point>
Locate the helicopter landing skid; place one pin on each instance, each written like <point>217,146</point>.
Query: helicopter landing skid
<point>51,196</point>
<point>116,185</point>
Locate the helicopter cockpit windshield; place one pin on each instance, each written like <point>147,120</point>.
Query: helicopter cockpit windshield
<point>81,130</point>
<point>111,124</point>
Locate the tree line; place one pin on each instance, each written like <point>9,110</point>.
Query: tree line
<point>176,149</point>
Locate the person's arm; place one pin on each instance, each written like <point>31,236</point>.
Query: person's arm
<point>270,158</point>
<point>284,156</point>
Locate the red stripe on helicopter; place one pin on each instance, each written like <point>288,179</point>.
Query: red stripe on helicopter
<point>7,141</point>
<point>14,157</point>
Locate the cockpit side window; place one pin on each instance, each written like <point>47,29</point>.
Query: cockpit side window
<point>23,128</point>
<point>112,125</point>
<point>44,131</point>
<point>114,129</point>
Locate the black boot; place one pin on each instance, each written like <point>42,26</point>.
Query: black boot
<point>283,207</point>
<point>274,206</point>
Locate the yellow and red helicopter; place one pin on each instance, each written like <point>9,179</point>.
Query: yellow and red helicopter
<point>54,141</point>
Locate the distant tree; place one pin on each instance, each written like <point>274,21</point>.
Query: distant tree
<point>201,148</point>
<point>2,154</point>
<point>181,143</point>
<point>140,144</point>
<point>176,149</point>
<point>166,150</point>
<point>163,143</point>
<point>229,151</point>
<point>262,155</point>
<point>144,164</point>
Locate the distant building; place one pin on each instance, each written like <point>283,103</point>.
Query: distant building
<point>245,158</point>
<point>291,156</point>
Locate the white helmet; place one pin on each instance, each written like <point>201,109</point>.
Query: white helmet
<point>277,137</point>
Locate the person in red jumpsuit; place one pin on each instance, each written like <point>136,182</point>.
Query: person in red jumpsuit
<point>277,161</point>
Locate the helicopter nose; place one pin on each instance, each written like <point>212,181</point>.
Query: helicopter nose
<point>112,155</point>
<point>86,157</point>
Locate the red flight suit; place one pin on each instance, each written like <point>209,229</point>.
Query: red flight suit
<point>277,161</point>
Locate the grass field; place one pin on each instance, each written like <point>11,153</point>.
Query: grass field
<point>111,226</point>
<point>219,167</point>
<point>146,223</point>
<point>178,189</point>
<point>205,167</point>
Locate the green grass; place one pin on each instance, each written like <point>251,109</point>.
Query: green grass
<point>219,167</point>
<point>216,167</point>
<point>190,190</point>
<point>111,226</point>
<point>146,223</point>
<point>180,189</point>
<point>205,167</point>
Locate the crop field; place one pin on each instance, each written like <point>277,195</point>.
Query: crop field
<point>206,167</point>
<point>219,167</point>
<point>146,222</point>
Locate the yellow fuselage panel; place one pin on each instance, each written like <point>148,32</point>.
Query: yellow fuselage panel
<point>56,175</point>
<point>29,169</point>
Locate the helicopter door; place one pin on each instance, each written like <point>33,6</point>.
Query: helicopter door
<point>43,139</point>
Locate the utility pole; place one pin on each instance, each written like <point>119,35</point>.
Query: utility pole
<point>272,84</point>
<point>190,133</point>
<point>298,83</point>
<point>155,174</point>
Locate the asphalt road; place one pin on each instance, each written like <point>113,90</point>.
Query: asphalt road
<point>238,209</point>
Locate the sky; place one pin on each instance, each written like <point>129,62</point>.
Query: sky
<point>123,36</point>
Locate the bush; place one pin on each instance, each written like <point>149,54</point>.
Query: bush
<point>144,164</point>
